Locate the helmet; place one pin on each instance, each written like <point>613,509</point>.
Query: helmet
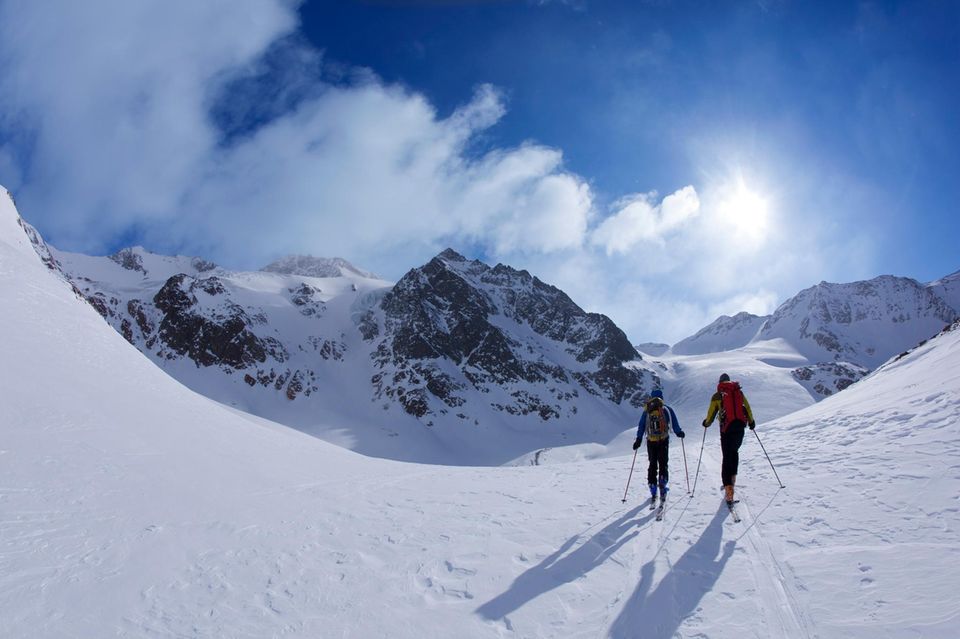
<point>724,378</point>
<point>657,393</point>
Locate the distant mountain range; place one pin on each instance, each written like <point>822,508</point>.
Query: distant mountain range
<point>458,355</point>
<point>723,334</point>
<point>842,330</point>
<point>455,354</point>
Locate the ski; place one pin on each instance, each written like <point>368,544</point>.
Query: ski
<point>733,510</point>
<point>659,516</point>
<point>653,503</point>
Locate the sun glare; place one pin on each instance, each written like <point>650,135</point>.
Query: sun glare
<point>746,210</point>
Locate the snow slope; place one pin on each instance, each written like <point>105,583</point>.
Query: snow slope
<point>133,507</point>
<point>723,334</point>
<point>873,531</point>
<point>948,288</point>
<point>818,342</point>
<point>863,323</point>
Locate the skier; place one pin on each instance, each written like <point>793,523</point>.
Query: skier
<point>655,420</point>
<point>731,407</point>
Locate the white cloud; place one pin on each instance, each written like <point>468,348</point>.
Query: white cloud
<point>639,219</point>
<point>120,99</point>
<point>116,95</point>
<point>110,104</point>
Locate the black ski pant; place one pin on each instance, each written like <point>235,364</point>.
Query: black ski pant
<point>730,441</point>
<point>658,453</point>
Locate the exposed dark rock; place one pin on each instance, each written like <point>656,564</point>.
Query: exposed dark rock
<point>202,265</point>
<point>826,378</point>
<point>304,296</point>
<point>99,302</point>
<point>136,310</point>
<point>499,327</point>
<point>183,329</point>
<point>39,245</point>
<point>295,387</point>
<point>368,326</point>
<point>210,286</point>
<point>126,329</point>
<point>128,259</point>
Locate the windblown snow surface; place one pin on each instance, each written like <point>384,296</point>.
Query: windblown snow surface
<point>132,507</point>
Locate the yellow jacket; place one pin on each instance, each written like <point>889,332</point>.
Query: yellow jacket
<point>716,405</point>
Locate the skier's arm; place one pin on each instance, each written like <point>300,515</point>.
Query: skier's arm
<point>642,428</point>
<point>713,409</point>
<point>746,406</point>
<point>676,422</point>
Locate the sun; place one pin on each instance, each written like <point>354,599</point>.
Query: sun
<point>746,210</point>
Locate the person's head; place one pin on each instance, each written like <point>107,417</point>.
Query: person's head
<point>724,378</point>
<point>657,393</point>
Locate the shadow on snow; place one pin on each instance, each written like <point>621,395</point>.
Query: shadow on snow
<point>658,614</point>
<point>561,568</point>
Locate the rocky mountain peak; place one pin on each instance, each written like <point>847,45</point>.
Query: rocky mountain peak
<point>862,323</point>
<point>130,258</point>
<point>500,328</point>
<point>450,255</point>
<point>310,266</point>
<point>723,334</point>
<point>948,289</point>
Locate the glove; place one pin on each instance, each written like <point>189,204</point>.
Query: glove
<point>753,425</point>
<point>681,434</point>
<point>705,424</point>
<point>636,443</point>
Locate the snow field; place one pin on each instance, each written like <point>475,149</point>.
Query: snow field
<point>132,507</point>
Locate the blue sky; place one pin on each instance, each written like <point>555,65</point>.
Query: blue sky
<point>662,162</point>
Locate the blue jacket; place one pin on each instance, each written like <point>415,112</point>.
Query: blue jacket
<point>642,428</point>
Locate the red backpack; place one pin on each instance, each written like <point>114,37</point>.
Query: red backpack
<point>731,404</point>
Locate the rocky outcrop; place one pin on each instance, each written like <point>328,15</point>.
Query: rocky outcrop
<point>129,259</point>
<point>454,327</point>
<point>221,338</point>
<point>827,378</point>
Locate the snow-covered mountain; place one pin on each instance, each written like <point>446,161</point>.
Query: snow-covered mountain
<point>654,349</point>
<point>458,362</point>
<point>310,266</point>
<point>830,335</point>
<point>948,289</point>
<point>863,323</point>
<point>134,507</point>
<point>456,327</point>
<point>724,334</point>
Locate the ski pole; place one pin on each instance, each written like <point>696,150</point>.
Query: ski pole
<point>768,459</point>
<point>685,469</point>
<point>630,476</point>
<point>697,475</point>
